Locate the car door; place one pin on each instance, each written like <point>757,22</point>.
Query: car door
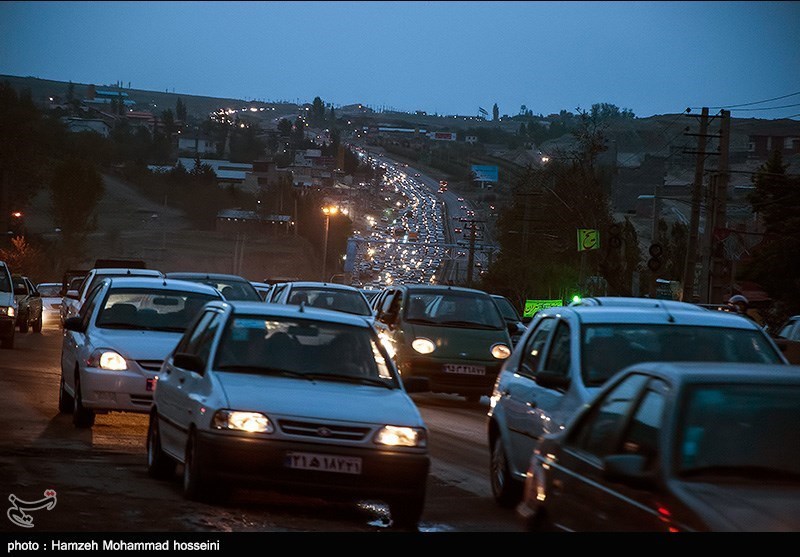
<point>516,402</point>
<point>582,499</point>
<point>77,346</point>
<point>555,402</point>
<point>34,301</point>
<point>180,392</point>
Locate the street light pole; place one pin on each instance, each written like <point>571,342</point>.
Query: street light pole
<point>328,211</point>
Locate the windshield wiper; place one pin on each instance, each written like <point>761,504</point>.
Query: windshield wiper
<point>262,370</point>
<point>744,471</point>
<point>468,324</point>
<point>119,326</point>
<point>351,379</point>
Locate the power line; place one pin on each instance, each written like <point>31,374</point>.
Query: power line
<point>768,107</point>
<point>752,103</point>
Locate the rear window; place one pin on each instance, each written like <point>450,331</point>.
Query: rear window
<point>606,349</point>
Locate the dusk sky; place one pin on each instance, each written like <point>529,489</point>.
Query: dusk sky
<point>440,57</point>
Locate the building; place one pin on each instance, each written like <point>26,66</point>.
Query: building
<point>95,125</point>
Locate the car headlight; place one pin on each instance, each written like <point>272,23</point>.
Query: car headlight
<point>252,422</point>
<point>7,310</point>
<point>423,345</point>
<point>387,344</point>
<point>103,358</point>
<point>395,436</point>
<point>500,351</point>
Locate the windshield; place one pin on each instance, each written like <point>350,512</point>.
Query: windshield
<point>507,309</point>
<point>338,299</point>
<point>454,308</point>
<point>158,310</point>
<point>315,349</point>
<point>608,348</point>
<point>5,284</point>
<point>49,290</point>
<point>747,430</point>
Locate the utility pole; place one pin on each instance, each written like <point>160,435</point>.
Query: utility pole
<point>471,255</point>
<point>690,265</point>
<point>719,279</point>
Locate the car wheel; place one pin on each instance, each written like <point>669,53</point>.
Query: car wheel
<point>196,484</point>
<point>82,417</point>
<point>406,511</point>
<point>159,464</point>
<point>506,490</point>
<point>65,400</point>
<point>23,325</point>
<point>37,325</point>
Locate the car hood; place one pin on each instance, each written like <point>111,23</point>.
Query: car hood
<point>319,399</point>
<point>139,345</point>
<point>459,342</point>
<point>748,507</point>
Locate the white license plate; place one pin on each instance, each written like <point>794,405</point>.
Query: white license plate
<point>324,462</point>
<point>463,369</point>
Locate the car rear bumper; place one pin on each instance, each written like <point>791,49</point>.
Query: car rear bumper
<point>265,463</point>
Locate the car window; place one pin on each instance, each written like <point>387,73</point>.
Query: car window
<point>608,348</point>
<point>50,290</point>
<point>535,345</point>
<point>599,431</point>
<point>641,436</point>
<point>88,307</point>
<point>558,356</point>
<point>5,282</point>
<point>192,338</point>
<point>740,430</point>
<point>201,347</point>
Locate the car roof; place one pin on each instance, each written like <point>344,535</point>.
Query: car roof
<point>319,284</point>
<point>720,372</point>
<point>127,271</point>
<point>210,276</point>
<point>162,283</point>
<point>440,287</point>
<point>632,301</point>
<point>291,310</point>
<point>653,315</point>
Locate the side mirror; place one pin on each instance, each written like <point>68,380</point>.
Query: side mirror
<point>388,317</point>
<point>74,324</point>
<point>552,380</point>
<point>189,362</point>
<point>629,469</point>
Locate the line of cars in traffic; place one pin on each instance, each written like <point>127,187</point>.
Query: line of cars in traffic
<point>315,390</point>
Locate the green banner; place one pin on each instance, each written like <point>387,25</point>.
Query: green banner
<point>532,306</point>
<point>588,239</point>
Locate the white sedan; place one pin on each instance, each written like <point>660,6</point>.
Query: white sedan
<point>291,398</point>
<point>112,350</point>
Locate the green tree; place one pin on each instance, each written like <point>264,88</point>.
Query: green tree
<point>774,263</point>
<point>180,110</point>
<point>284,127</point>
<point>495,113</point>
<point>317,115</point>
<point>75,214</point>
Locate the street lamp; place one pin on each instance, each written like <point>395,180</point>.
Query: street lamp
<point>328,210</point>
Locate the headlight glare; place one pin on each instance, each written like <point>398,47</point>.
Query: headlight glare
<point>106,359</point>
<point>395,436</point>
<point>501,351</point>
<point>423,345</point>
<point>251,422</point>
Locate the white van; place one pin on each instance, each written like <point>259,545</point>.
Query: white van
<point>8,307</point>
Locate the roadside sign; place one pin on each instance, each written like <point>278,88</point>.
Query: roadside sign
<point>588,239</point>
<point>532,306</point>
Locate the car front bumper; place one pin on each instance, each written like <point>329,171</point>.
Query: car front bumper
<point>119,391</point>
<point>385,473</point>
